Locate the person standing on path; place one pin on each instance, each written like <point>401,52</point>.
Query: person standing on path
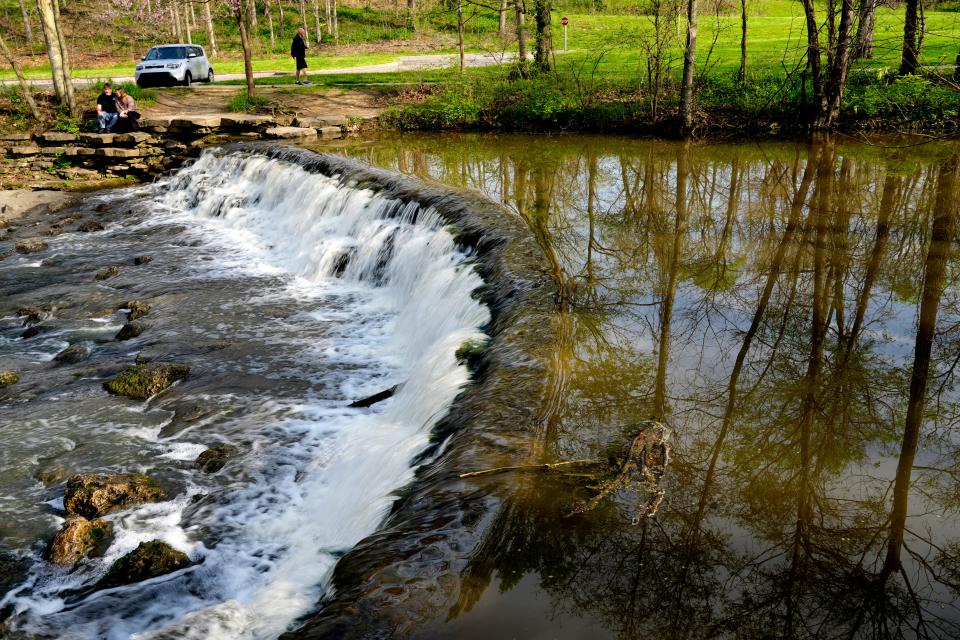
<point>298,50</point>
<point>107,109</point>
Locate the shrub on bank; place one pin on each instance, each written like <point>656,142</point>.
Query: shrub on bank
<point>765,103</point>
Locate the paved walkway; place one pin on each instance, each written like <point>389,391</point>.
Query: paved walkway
<point>403,63</point>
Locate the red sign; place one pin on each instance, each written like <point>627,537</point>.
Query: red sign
<point>564,21</point>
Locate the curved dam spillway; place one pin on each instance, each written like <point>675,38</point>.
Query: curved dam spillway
<point>293,283</point>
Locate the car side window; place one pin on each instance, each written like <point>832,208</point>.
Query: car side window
<point>197,51</point>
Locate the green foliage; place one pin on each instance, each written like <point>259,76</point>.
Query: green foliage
<point>909,101</point>
<point>243,102</point>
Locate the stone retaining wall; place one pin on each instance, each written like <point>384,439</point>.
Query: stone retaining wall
<point>161,144</point>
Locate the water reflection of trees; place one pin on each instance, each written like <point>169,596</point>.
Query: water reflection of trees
<point>791,313</point>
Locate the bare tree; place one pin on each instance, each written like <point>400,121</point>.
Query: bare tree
<point>57,53</point>
<point>502,28</point>
<point>240,14</point>
<point>544,36</point>
<point>24,87</point>
<point>27,29</point>
<point>912,32</point>
<point>743,41</point>
<point>829,84</point>
<point>689,67</point>
<point>269,12</point>
<point>316,19</point>
<point>863,47</point>
<point>521,37</point>
<point>211,35</point>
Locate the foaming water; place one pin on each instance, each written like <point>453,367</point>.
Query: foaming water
<point>389,298</point>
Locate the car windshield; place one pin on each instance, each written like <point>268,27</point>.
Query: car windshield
<point>167,53</point>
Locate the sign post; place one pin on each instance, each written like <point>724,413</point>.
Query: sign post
<point>564,22</point>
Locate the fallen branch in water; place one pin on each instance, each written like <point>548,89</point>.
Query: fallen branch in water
<point>547,466</point>
<point>374,399</point>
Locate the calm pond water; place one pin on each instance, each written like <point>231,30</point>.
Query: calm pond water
<point>790,312</point>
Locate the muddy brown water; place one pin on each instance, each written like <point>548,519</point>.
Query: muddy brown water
<point>790,312</point>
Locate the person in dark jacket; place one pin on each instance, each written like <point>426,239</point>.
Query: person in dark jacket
<point>298,50</point>
<point>107,109</point>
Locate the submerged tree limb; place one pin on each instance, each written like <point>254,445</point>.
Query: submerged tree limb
<point>547,466</point>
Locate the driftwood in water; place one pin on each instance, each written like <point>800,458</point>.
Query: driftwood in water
<point>638,474</point>
<point>375,398</point>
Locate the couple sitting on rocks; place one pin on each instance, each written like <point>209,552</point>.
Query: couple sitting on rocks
<point>117,113</point>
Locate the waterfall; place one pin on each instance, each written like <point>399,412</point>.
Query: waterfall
<point>394,289</point>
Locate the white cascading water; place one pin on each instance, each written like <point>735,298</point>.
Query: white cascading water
<point>280,533</point>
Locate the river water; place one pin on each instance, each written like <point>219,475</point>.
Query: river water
<point>788,311</point>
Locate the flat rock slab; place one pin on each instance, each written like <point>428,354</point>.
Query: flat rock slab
<point>16,202</point>
<point>290,132</point>
<point>16,137</point>
<point>330,132</point>
<point>195,122</point>
<point>246,121</point>
<point>113,152</point>
<point>135,138</point>
<point>55,137</point>
<point>96,139</point>
<point>320,121</point>
<point>25,150</point>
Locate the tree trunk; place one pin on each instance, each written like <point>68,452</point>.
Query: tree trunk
<point>864,46</point>
<point>502,28</point>
<point>336,29</point>
<point>942,236</point>
<point>544,35</point>
<point>27,29</point>
<point>813,63</point>
<point>316,20</point>
<point>841,62</point>
<point>269,12</point>
<point>910,57</point>
<point>253,27</point>
<point>186,23</point>
<point>24,87</point>
<point>460,34</point>
<point>329,17</point>
<point>175,21</point>
<point>303,18</point>
<point>211,35</point>
<point>743,41</point>
<point>521,38</point>
<point>689,67</point>
<point>245,43</point>
<point>49,14</point>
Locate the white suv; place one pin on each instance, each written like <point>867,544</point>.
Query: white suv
<point>174,64</point>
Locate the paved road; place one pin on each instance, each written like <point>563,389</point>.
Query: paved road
<point>403,63</point>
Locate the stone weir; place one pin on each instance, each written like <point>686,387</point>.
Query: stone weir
<point>161,144</point>
<point>406,577</point>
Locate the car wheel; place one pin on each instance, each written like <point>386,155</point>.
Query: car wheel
<point>210,75</point>
<point>187,79</point>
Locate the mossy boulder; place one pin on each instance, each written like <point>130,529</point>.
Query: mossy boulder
<point>73,354</point>
<point>149,560</point>
<point>8,378</point>
<point>75,539</point>
<point>31,245</point>
<point>89,226</point>
<point>92,495</point>
<point>145,380</point>
<point>137,309</point>
<point>107,272</point>
<point>33,331</point>
<point>470,352</point>
<point>130,330</point>
<point>214,458</point>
